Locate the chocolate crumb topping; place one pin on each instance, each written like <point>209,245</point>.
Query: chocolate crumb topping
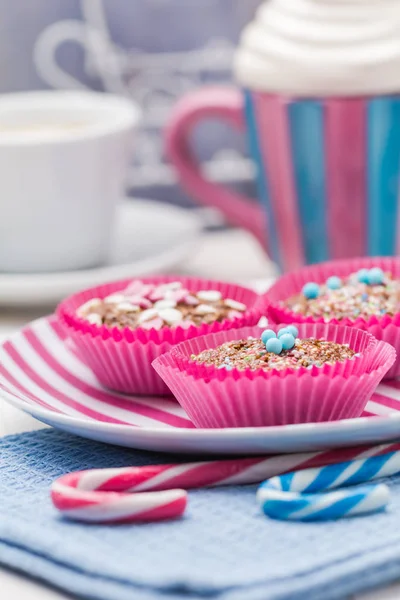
<point>252,354</point>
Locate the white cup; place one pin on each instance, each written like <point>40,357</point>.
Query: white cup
<point>63,161</point>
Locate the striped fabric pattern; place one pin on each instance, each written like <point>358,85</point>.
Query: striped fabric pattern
<point>328,176</point>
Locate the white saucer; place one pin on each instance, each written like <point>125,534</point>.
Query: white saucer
<point>150,237</point>
<point>41,374</point>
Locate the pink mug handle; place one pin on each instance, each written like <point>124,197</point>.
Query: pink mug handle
<point>220,103</point>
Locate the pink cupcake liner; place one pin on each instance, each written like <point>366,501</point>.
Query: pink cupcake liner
<point>384,328</point>
<point>220,398</point>
<point>121,359</point>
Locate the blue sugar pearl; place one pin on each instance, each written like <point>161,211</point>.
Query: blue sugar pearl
<point>363,276</point>
<point>287,341</point>
<point>274,345</point>
<point>266,335</point>
<point>334,283</point>
<point>293,330</point>
<point>364,297</point>
<point>311,290</point>
<point>376,276</point>
<point>283,331</point>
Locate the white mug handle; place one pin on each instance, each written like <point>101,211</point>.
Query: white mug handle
<point>93,42</point>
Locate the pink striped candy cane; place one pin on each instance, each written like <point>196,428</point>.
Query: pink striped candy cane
<point>94,506</point>
<point>157,492</point>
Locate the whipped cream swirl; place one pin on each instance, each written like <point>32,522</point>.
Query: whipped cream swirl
<point>322,47</point>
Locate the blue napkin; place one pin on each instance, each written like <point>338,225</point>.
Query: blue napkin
<point>222,549</point>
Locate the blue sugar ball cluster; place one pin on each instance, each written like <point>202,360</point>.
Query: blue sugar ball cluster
<point>283,340</point>
<point>374,276</point>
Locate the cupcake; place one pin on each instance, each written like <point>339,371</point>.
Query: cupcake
<point>297,374</point>
<point>121,327</point>
<point>363,293</point>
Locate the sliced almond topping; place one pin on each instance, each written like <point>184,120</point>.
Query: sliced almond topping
<point>204,309</point>
<point>170,315</point>
<point>191,300</point>
<point>209,295</point>
<point>114,299</point>
<point>91,304</point>
<point>148,314</point>
<point>94,319</point>
<point>164,304</point>
<point>127,307</point>
<point>156,323</point>
<point>235,304</point>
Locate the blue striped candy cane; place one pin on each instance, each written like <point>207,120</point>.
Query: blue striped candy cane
<point>304,495</point>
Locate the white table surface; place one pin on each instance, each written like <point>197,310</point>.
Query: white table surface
<point>229,255</point>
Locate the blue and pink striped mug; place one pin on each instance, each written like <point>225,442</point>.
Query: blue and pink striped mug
<point>328,171</point>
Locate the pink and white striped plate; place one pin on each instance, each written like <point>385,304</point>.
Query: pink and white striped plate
<point>41,374</point>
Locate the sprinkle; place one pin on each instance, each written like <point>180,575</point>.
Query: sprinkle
<point>274,345</point>
<point>311,290</point>
<point>144,291</point>
<point>234,314</point>
<point>376,276</point>
<point>191,300</point>
<point>209,295</point>
<point>127,307</point>
<point>204,309</point>
<point>94,319</point>
<point>114,299</point>
<point>88,306</point>
<point>293,330</point>
<point>177,295</point>
<point>156,323</point>
<point>267,334</point>
<point>363,276</point>
<point>142,302</point>
<point>235,304</point>
<point>157,295</point>
<point>164,304</point>
<point>134,288</point>
<point>334,282</point>
<point>283,331</point>
<point>170,315</point>
<point>148,314</point>
<point>287,341</point>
